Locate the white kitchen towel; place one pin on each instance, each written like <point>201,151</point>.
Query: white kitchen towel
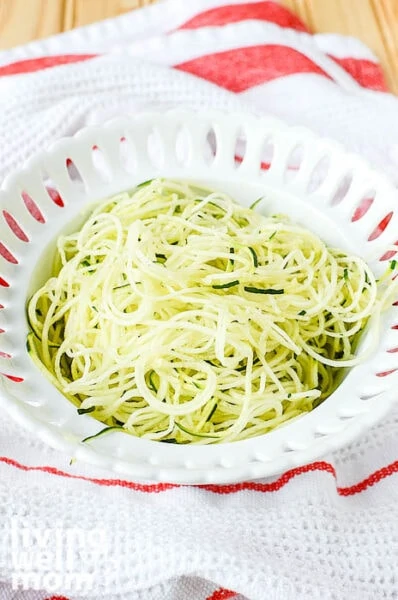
<point>328,530</point>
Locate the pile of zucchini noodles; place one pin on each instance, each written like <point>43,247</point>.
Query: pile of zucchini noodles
<point>180,316</point>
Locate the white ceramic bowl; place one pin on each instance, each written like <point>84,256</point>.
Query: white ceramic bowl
<point>307,178</point>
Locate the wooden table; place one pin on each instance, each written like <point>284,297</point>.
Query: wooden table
<point>373,21</point>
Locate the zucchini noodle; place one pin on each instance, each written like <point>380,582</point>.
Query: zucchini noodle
<point>177,315</point>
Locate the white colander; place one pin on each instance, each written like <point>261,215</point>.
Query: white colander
<point>335,194</point>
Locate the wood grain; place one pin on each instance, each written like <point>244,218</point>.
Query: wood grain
<point>22,21</point>
<point>375,22</point>
<point>87,11</point>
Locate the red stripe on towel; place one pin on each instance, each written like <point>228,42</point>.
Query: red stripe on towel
<point>222,594</point>
<point>366,72</point>
<point>31,65</point>
<point>242,68</point>
<point>233,13</point>
<point>254,486</point>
